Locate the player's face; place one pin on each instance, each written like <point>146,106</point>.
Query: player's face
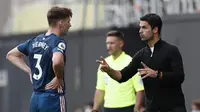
<point>65,25</point>
<point>113,45</point>
<point>146,32</point>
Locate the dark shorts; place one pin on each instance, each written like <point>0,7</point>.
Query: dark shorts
<point>47,102</point>
<point>123,109</point>
<point>175,109</point>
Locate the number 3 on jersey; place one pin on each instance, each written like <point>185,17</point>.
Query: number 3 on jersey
<point>38,58</point>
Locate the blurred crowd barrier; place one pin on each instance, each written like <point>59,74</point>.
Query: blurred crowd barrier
<point>25,16</point>
<point>83,48</point>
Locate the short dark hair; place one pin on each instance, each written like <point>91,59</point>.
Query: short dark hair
<point>58,13</point>
<point>116,33</point>
<point>196,103</point>
<point>154,20</point>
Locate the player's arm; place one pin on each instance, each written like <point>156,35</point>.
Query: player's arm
<point>16,58</point>
<point>58,64</point>
<point>98,99</point>
<point>58,59</point>
<point>58,68</point>
<point>177,74</point>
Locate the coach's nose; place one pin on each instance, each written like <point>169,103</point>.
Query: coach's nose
<point>140,31</point>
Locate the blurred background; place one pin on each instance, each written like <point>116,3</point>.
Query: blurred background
<point>23,19</point>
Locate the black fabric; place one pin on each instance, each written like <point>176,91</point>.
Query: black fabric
<point>175,109</point>
<point>165,93</point>
<point>124,109</point>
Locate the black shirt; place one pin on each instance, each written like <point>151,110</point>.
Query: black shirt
<point>165,93</point>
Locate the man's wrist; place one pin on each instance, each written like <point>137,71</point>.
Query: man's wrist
<point>109,70</point>
<point>159,75</point>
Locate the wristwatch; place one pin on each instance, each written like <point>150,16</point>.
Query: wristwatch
<point>158,75</point>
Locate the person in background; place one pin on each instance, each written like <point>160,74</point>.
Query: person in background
<point>118,97</point>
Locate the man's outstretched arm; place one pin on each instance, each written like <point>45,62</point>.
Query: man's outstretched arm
<point>126,73</point>
<point>115,74</point>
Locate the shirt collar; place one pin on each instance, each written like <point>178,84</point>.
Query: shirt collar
<point>120,56</point>
<point>158,43</point>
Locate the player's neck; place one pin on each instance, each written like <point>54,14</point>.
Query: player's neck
<point>117,54</point>
<point>153,41</point>
<point>54,31</point>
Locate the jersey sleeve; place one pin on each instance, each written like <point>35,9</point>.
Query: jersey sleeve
<point>24,47</point>
<point>137,82</point>
<point>100,80</point>
<point>60,47</point>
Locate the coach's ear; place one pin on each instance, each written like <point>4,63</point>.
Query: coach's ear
<point>155,30</point>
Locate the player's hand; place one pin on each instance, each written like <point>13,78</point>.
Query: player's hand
<point>147,72</point>
<point>104,65</point>
<point>55,84</point>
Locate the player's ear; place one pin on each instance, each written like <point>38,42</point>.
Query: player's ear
<point>60,23</point>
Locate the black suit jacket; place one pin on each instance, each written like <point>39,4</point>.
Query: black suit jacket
<point>165,93</point>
